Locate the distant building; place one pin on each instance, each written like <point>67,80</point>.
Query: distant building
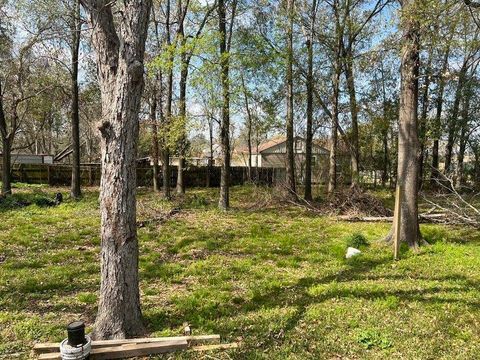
<point>273,154</point>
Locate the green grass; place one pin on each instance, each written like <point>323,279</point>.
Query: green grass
<point>273,277</point>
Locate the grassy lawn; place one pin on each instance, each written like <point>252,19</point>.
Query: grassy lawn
<point>273,277</point>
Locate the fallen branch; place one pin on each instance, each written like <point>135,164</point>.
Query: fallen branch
<point>425,218</point>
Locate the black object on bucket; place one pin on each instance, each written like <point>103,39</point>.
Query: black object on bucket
<point>76,333</point>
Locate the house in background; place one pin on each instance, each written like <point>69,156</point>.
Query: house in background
<point>273,154</point>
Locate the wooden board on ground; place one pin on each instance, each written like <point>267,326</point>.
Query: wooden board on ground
<point>128,350</point>
<point>191,340</point>
<point>131,350</point>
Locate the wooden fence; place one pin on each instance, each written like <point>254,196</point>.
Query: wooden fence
<point>60,175</point>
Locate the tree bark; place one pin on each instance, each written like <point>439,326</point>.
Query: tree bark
<point>289,82</point>
<point>408,144</point>
<point>76,26</point>
<point>224,201</point>
<point>120,47</point>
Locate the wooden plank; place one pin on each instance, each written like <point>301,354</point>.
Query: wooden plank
<point>214,347</point>
<point>128,350</point>
<point>191,340</point>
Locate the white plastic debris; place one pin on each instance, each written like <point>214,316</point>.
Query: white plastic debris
<point>351,252</point>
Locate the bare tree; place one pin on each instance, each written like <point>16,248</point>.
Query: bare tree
<point>408,143</point>
<point>225,45</point>
<point>120,45</point>
<point>309,80</point>
<point>75,28</point>
<point>289,87</point>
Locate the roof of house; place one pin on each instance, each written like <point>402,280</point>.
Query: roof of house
<point>270,143</point>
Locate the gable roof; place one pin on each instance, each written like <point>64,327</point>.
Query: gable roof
<point>270,143</point>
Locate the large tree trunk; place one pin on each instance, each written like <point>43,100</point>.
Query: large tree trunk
<point>224,201</point>
<point>435,177</point>
<point>120,47</point>
<point>75,190</point>
<point>289,82</point>
<point>408,144</point>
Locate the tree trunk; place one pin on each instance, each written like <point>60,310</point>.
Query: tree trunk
<point>75,190</point>
<point>168,115</point>
<point>464,135</point>
<point>423,118</point>
<point>155,148</point>
<point>6,150</point>
<point>289,80</point>
<point>386,161</point>
<point>249,129</point>
<point>435,177</point>
<point>385,158</point>
<point>355,156</point>
<point>453,122</point>
<point>477,168</point>
<point>182,142</point>
<point>224,201</point>
<point>309,137</point>
<point>332,170</point>
<point>408,144</point>
<point>184,60</point>
<point>6,166</point>
<point>210,158</point>
<point>120,47</point>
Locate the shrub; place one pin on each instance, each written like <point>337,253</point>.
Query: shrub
<point>357,240</point>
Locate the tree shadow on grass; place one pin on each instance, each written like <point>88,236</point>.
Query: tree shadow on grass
<point>300,296</point>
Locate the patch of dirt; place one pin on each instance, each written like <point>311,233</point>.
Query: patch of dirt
<point>156,216</point>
